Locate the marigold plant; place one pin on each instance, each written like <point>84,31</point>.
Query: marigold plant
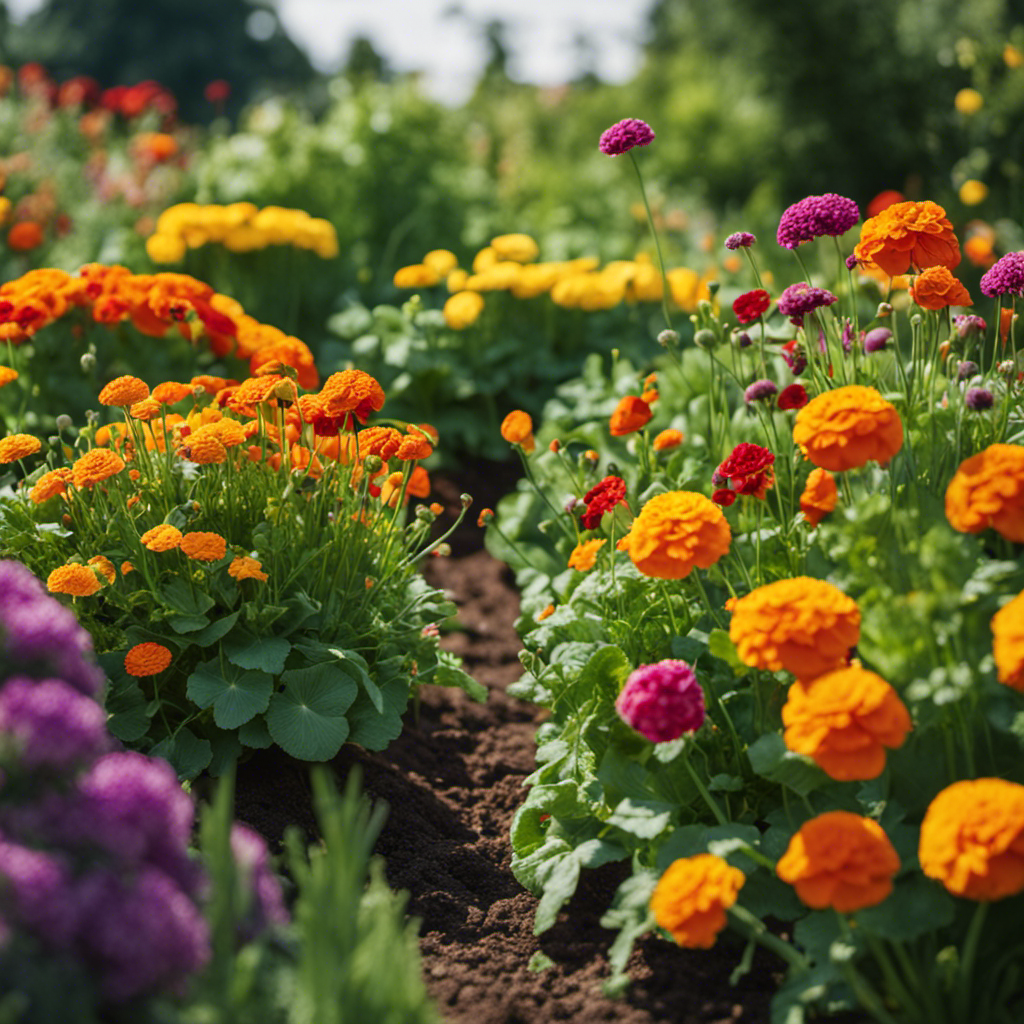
<point>677,532</point>
<point>692,897</point>
<point>987,490</point>
<point>908,234</point>
<point>847,427</point>
<point>147,659</point>
<point>1008,642</point>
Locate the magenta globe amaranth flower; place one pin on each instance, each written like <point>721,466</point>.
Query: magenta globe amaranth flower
<point>802,298</point>
<point>816,216</point>
<point>1005,276</point>
<point>740,240</point>
<point>624,136</point>
<point>760,391</point>
<point>967,369</point>
<point>979,399</point>
<point>662,701</point>
<point>876,339</point>
<point>969,325</point>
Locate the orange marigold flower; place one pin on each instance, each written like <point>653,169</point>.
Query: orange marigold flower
<point>50,484</point>
<point>413,446</point>
<point>148,659</point>
<point>937,288</point>
<point>1008,642</point>
<point>18,446</point>
<point>584,555</point>
<point>692,896</point>
<point>204,547</point>
<point>94,466</point>
<point>819,497</point>
<point>382,441</point>
<point>211,385</point>
<point>76,580</point>
<point>667,439</point>
<point>631,414</point>
<point>147,409</point>
<point>104,566</point>
<point>352,391</point>
<point>840,860</point>
<point>170,391</point>
<point>25,235</point>
<point>803,625</point>
<point>126,390</point>
<point>675,532</point>
<point>517,428</point>
<point>848,427</point>
<point>7,375</point>
<point>419,483</point>
<point>988,490</point>
<point>245,568</point>
<point>161,538</point>
<point>253,391</point>
<point>972,839</point>
<point>844,720</point>
<point>229,432</point>
<point>908,234</point>
<point>111,433</point>
<point>203,448</point>
<point>545,612</point>
<point>127,567</point>
<point>650,396</point>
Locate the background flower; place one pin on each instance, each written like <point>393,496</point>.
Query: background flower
<point>662,701</point>
<point>847,427</point>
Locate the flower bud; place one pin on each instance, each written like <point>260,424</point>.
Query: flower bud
<point>704,338</point>
<point>713,287</point>
<point>87,362</point>
<point>917,320</point>
<point>466,499</point>
<point>884,309</point>
<point>373,464</point>
<point>63,421</point>
<point>668,337</point>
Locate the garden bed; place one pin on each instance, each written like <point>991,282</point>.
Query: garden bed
<point>453,781</point>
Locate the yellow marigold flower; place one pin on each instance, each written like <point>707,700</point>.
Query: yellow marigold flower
<point>126,390</point>
<point>50,484</point>
<point>819,496</point>
<point>161,538</point>
<point>76,580</point>
<point>1008,642</point>
<point>418,275</point>
<point>1012,57</point>
<point>245,568</point>
<point>95,466</point>
<point>442,261</point>
<point>692,896</point>
<point>485,258</point>
<point>204,547</point>
<point>210,384</point>
<point>677,531</point>
<point>988,490</point>
<point>456,280</point>
<point>127,567</point>
<point>803,625</point>
<point>147,659</point>
<point>520,248</point>
<point>972,839</point>
<point>840,860</point>
<point>847,427</point>
<point>517,428</point>
<point>165,248</point>
<point>584,555</point>
<point>844,720</point>
<point>104,566</point>
<point>463,309</point>
<point>18,446</point>
<point>968,101</point>
<point>668,439</point>
<point>7,375</point>
<point>147,409</point>
<point>972,192</point>
<point>546,612</point>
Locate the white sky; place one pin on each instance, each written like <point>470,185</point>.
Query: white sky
<point>415,35</point>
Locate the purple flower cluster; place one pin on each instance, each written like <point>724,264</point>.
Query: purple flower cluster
<point>662,701</point>
<point>802,298</point>
<point>969,325</point>
<point>760,391</point>
<point>816,216</point>
<point>876,339</point>
<point>624,136</point>
<point>740,240</point>
<point>967,369</point>
<point>1005,276</point>
<point>979,399</point>
<point>94,843</point>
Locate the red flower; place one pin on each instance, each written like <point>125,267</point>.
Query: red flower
<point>793,397</point>
<point>217,91</point>
<point>750,305</point>
<point>601,498</point>
<point>749,467</point>
<point>723,496</point>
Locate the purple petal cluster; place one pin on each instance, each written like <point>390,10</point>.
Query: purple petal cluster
<point>760,391</point>
<point>624,136</point>
<point>979,399</point>
<point>816,216</point>
<point>266,902</point>
<point>969,325</point>
<point>662,701</point>
<point>36,893</point>
<point>740,240</point>
<point>802,298</point>
<point>967,369</point>
<point>1005,276</point>
<point>876,339</point>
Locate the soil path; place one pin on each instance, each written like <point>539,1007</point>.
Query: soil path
<point>453,781</point>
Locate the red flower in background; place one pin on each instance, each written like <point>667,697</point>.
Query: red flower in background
<point>749,468</point>
<point>217,91</point>
<point>602,498</point>
<point>750,305</point>
<point>793,397</point>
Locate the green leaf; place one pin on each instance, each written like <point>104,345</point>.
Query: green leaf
<point>916,906</point>
<point>126,709</point>
<point>267,654</point>
<point>450,673</point>
<point>188,754</point>
<point>691,840</point>
<point>540,961</point>
<point>645,819</point>
<point>215,631</point>
<point>373,729</point>
<point>307,719</point>
<point>770,759</point>
<point>183,599</point>
<point>722,647</point>
<point>255,734</point>
<point>236,696</point>
<point>226,752</point>
<point>187,623</point>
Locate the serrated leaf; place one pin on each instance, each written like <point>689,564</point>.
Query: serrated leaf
<point>267,654</point>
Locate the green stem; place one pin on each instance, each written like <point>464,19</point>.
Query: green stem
<point>657,243</point>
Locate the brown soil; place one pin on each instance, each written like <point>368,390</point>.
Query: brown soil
<point>453,781</point>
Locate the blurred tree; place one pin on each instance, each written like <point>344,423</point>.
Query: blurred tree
<point>183,44</point>
<point>364,63</point>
